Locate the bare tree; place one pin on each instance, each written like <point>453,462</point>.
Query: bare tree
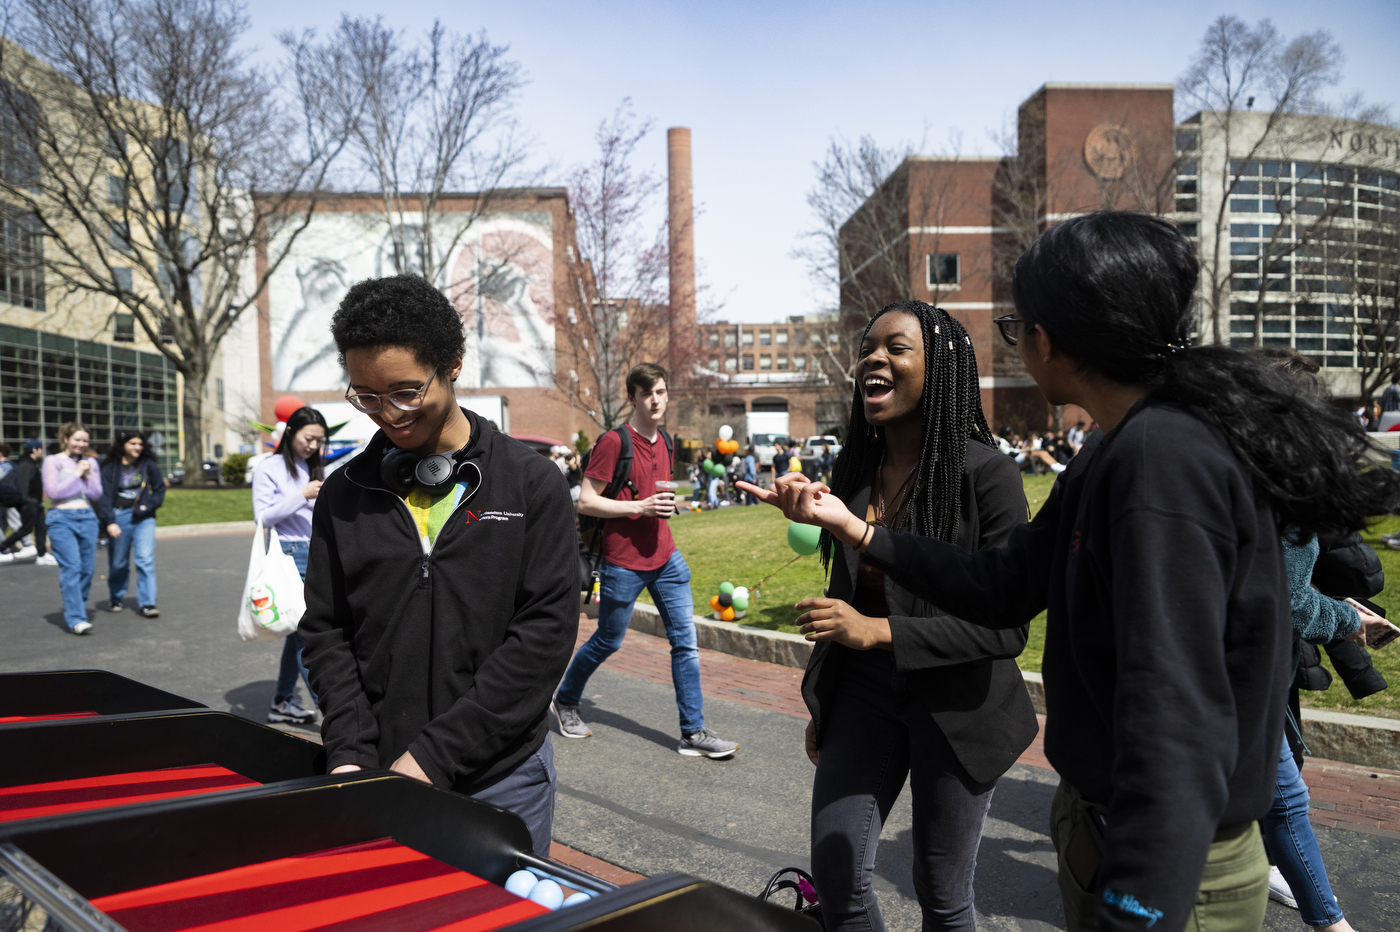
<point>428,121</point>
<point>154,161</point>
<point>1235,66</point>
<point>621,276</point>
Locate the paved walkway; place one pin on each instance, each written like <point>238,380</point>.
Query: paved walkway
<point>1344,796</point>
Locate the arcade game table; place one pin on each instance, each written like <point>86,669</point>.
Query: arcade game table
<point>59,694</point>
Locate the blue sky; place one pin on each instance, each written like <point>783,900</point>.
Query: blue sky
<point>763,87</point>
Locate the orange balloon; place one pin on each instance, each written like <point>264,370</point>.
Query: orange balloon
<point>727,447</point>
<point>727,614</point>
<point>714,602</point>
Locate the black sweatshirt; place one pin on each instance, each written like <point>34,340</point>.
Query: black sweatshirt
<point>453,655</point>
<point>1167,645</point>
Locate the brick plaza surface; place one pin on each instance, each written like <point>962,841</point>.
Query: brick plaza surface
<point>1346,796</point>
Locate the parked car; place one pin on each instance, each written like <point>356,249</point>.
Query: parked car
<point>812,446</point>
<point>765,445</point>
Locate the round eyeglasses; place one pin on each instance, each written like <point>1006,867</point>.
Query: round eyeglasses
<point>408,399</point>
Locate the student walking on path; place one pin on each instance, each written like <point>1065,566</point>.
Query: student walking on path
<point>285,486</point>
<point>28,481</point>
<point>132,490</point>
<point>902,690</point>
<point>639,553</point>
<point>72,483</point>
<point>1158,561</point>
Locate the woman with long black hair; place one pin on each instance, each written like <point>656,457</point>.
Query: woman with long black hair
<point>1159,562</point>
<point>132,490</point>
<point>285,486</point>
<point>898,689</point>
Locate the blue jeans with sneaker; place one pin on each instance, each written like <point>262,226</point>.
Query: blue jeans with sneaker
<point>1292,844</point>
<point>73,542</point>
<point>669,586</point>
<point>136,545</point>
<point>292,645</point>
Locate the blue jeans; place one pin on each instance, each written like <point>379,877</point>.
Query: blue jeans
<point>669,586</point>
<point>1292,846</point>
<point>292,667</point>
<point>136,545</point>
<point>73,542</point>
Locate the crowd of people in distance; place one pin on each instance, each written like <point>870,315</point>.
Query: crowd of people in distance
<point>1049,451</point>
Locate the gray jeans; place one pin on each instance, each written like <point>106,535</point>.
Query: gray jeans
<point>871,742</point>
<point>528,791</point>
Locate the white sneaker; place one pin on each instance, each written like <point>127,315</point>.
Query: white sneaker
<point>47,559</point>
<point>24,553</point>
<point>1279,891</point>
<point>7,557</point>
<point>81,627</point>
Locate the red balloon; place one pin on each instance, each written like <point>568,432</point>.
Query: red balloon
<point>286,406</point>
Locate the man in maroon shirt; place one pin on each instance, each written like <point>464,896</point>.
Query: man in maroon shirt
<point>638,553</point>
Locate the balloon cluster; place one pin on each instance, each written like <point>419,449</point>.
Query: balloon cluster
<point>732,602</point>
<point>726,444</point>
<point>541,890</point>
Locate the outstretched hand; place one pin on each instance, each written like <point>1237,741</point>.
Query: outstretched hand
<point>808,502</point>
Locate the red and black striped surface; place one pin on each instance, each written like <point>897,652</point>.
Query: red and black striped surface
<point>5,719</point>
<point>378,886</point>
<point>43,799</point>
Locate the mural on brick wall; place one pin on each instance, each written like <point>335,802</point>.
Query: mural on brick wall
<point>501,281</point>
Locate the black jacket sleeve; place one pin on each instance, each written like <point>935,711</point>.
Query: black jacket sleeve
<point>512,687</point>
<point>349,731</point>
<point>153,495</point>
<point>945,640</point>
<point>110,474</point>
<point>1000,587</point>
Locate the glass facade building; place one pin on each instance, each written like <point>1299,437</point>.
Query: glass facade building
<point>47,380</point>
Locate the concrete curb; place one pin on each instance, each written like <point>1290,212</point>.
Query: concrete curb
<point>205,530</point>
<point>1366,740</point>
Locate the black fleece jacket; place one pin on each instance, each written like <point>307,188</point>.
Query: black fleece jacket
<point>452,655</point>
<point>965,675</point>
<point>1167,645</point>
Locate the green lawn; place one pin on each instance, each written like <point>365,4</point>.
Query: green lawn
<point>205,506</point>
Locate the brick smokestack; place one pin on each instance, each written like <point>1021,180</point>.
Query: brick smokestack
<point>682,253</point>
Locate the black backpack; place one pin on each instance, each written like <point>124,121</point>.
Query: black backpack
<point>590,529</point>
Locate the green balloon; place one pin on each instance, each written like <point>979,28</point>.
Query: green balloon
<point>740,604</point>
<point>727,588</point>
<point>709,467</point>
<point>802,538</point>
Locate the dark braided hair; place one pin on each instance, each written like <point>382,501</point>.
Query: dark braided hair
<point>952,412</point>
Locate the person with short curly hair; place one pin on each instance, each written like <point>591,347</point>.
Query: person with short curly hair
<point>442,581</point>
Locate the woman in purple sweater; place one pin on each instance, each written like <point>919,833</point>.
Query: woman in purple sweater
<point>72,483</point>
<point>285,486</point>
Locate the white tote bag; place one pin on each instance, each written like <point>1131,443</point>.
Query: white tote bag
<point>273,596</point>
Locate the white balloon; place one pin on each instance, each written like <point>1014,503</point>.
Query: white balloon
<point>548,894</point>
<point>726,432</point>
<point>741,592</point>
<point>521,883</point>
<point>736,462</point>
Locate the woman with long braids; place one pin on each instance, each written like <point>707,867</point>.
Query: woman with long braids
<point>1158,560</point>
<point>896,687</point>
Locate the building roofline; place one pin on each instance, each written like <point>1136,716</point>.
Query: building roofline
<point>955,158</point>
<point>445,195</point>
<point>1101,86</point>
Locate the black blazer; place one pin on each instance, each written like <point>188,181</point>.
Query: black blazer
<point>965,675</point>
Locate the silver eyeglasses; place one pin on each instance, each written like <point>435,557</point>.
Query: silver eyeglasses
<point>407,399</point>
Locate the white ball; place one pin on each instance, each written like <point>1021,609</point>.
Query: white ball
<point>726,432</point>
<point>741,592</point>
<point>577,898</point>
<point>521,883</point>
<point>548,894</point>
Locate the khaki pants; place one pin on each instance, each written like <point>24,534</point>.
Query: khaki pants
<point>1234,886</point>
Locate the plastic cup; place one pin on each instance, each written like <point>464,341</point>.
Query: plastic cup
<point>663,485</point>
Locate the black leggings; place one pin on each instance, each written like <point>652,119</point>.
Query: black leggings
<point>870,744</point>
<point>31,520</point>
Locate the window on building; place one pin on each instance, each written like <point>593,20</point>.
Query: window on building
<point>21,260</point>
<point>19,165</point>
<point>765,361</point>
<point>729,338</point>
<point>765,338</point>
<point>731,364</point>
<point>219,393</point>
<point>782,361</point>
<point>748,338</point>
<point>1187,141</point>
<point>799,363</point>
<point>943,269</point>
<point>833,338</point>
<point>116,190</point>
<point>799,337</point>
<point>780,337</point>
<point>816,338</point>
<point>748,363</point>
<point>122,278</point>
<point>714,365</point>
<point>167,334</point>
<point>116,144</point>
<point>714,338</point>
<point>119,236</point>
<point>123,328</point>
